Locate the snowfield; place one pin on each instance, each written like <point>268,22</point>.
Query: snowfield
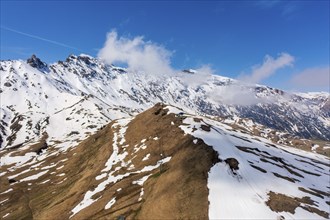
<point>262,168</point>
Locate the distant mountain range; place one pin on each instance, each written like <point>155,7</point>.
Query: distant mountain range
<point>70,99</point>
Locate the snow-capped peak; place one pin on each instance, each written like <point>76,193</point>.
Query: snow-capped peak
<point>35,62</point>
<point>84,93</point>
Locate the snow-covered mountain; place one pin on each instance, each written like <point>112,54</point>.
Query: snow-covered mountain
<point>76,142</point>
<point>165,164</point>
<point>68,100</point>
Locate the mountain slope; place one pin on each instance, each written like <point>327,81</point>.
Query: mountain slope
<point>71,99</point>
<point>159,164</point>
<point>124,170</point>
<point>263,180</point>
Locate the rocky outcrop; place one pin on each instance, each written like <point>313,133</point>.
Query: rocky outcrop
<point>35,62</point>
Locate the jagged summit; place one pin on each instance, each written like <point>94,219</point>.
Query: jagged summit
<point>35,62</point>
<point>73,57</point>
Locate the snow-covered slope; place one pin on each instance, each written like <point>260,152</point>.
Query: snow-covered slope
<point>256,179</point>
<point>158,165</point>
<point>70,99</point>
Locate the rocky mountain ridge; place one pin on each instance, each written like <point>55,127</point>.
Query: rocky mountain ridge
<point>69,100</point>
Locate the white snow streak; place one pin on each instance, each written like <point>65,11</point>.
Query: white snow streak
<point>110,203</point>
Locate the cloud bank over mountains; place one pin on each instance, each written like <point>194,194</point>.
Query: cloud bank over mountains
<point>137,54</point>
<point>313,77</point>
<point>269,67</point>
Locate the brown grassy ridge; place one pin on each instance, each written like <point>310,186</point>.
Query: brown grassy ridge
<point>169,193</point>
<point>52,200</point>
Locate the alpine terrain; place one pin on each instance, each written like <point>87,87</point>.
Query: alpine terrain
<point>81,139</point>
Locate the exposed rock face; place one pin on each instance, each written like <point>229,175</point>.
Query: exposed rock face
<point>326,107</point>
<point>232,163</point>
<point>35,62</point>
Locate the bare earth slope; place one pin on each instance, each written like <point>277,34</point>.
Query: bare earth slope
<point>142,167</point>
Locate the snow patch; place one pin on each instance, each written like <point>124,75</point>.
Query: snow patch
<point>101,176</point>
<point>110,203</point>
<point>141,181</point>
<point>58,168</point>
<point>146,157</point>
<point>34,177</point>
<point>8,160</point>
<point>7,191</point>
<point>4,200</point>
<point>46,181</point>
<point>5,215</point>
<point>314,147</point>
<point>16,175</point>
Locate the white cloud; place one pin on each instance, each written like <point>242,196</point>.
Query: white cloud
<point>137,54</point>
<point>237,94</point>
<point>199,77</point>
<point>232,95</point>
<point>268,68</point>
<point>312,77</point>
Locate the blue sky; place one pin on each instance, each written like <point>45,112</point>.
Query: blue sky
<point>287,42</point>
